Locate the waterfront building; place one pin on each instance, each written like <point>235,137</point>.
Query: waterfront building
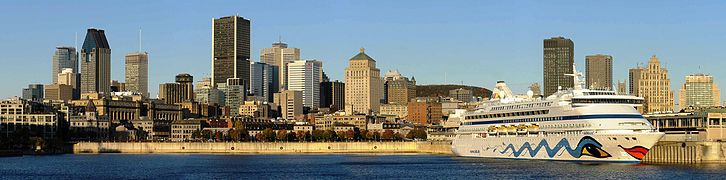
<point>58,92</point>
<point>182,130</point>
<point>424,112</point>
<point>255,109</point>
<point>599,71</point>
<point>329,121</point>
<point>289,103</point>
<point>118,110</point>
<point>691,124</point>
<point>64,57</point>
<point>398,89</point>
<point>16,113</point>
<point>230,49</point>
<point>461,94</point>
<point>363,84</point>
<point>558,61</point>
<point>33,92</point>
<point>399,110</point>
<point>96,63</point>
<point>332,95</point>
<point>234,95</point>
<point>206,93</point>
<point>264,80</point>
<point>699,90</point>
<point>280,55</point>
<point>305,76</point>
<point>633,80</point>
<point>655,87</point>
<point>137,73</point>
<point>180,91</point>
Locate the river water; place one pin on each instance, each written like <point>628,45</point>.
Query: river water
<point>329,166</point>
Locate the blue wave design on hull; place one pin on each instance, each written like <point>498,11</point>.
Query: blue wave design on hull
<point>551,152</point>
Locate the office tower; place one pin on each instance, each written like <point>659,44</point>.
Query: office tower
<point>64,57</point>
<point>622,88</point>
<point>178,92</point>
<point>461,94</point>
<point>633,80</point>
<point>118,86</point>
<point>33,92</point>
<point>206,93</point>
<point>280,55</point>
<point>68,77</point>
<point>234,94</point>
<point>58,92</point>
<point>230,49</point>
<point>332,95</point>
<point>398,89</point>
<point>305,76</point>
<point>655,87</point>
<point>137,73</point>
<point>558,61</point>
<point>363,84</point>
<point>599,71</point>
<point>699,90</point>
<point>95,63</point>
<point>536,91</point>
<point>289,103</point>
<point>264,80</point>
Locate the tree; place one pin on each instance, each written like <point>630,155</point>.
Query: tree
<point>387,135</point>
<point>317,135</point>
<point>411,135</point>
<point>260,137</point>
<point>196,134</point>
<point>361,134</point>
<point>350,134</point>
<point>300,135</point>
<point>281,135</point>
<point>244,135</point>
<point>207,134</point>
<point>268,135</point>
<point>397,136</point>
<point>308,136</point>
<point>291,136</point>
<point>234,134</point>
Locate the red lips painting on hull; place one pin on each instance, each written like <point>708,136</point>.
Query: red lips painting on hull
<point>638,152</point>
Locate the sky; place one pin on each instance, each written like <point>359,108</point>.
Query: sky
<point>439,42</point>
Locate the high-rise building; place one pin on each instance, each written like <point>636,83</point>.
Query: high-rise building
<point>230,49</point>
<point>599,71</point>
<point>633,78</point>
<point>699,90</point>
<point>33,92</point>
<point>332,95</point>
<point>137,73</point>
<point>234,95</point>
<point>206,93</point>
<point>280,55</point>
<point>363,84</point>
<point>305,76</point>
<point>64,57</point>
<point>68,77</point>
<point>180,91</point>
<point>398,89</point>
<point>264,80</point>
<point>655,87</point>
<point>289,103</point>
<point>536,91</point>
<point>96,63</point>
<point>424,112</point>
<point>622,88</point>
<point>558,61</point>
<point>58,92</point>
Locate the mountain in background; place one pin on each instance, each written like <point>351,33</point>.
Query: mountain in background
<point>443,90</point>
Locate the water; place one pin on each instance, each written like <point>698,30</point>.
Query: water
<point>328,166</point>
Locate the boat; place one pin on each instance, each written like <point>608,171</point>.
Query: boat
<point>574,124</point>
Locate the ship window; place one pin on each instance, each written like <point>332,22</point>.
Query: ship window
<point>634,139</point>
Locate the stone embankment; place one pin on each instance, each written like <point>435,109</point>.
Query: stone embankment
<point>258,147</point>
<point>687,152</point>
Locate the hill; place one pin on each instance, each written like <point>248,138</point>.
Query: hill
<point>443,90</point>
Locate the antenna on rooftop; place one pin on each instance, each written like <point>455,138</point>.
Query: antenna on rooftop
<point>75,43</point>
<point>139,39</point>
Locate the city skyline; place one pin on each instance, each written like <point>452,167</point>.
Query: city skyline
<point>637,35</point>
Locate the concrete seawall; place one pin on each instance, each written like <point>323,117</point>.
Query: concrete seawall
<point>273,147</point>
<point>687,152</point>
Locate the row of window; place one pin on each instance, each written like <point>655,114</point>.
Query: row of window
<point>521,106</point>
<point>510,114</point>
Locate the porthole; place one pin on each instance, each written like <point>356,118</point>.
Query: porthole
<point>232,148</point>
<point>281,148</point>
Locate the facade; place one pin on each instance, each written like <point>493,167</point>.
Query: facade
<point>96,63</point>
<point>280,55</point>
<point>655,87</point>
<point>399,110</point>
<point>33,92</point>
<point>16,114</point>
<point>58,92</point>
<point>234,95</point>
<point>117,110</point>
<point>633,80</point>
<point>68,77</point>
<point>699,91</point>
<point>622,88</point>
<point>305,76</point>
<point>329,122</point>
<point>559,55</point>
<point>64,57</point>
<point>256,109</point>
<point>137,73</point>
<point>599,71</point>
<point>332,95</point>
<point>180,91</point>
<point>289,103</point>
<point>230,49</point>
<point>363,84</point>
<point>398,89</point>
<point>424,112</point>
<point>461,94</point>
<point>699,124</point>
<point>264,80</point>
<point>206,93</point>
<point>182,130</point>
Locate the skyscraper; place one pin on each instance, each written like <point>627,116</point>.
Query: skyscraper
<point>558,60</point>
<point>633,78</point>
<point>180,91</point>
<point>363,84</point>
<point>699,90</point>
<point>33,92</point>
<point>137,73</point>
<point>622,88</point>
<point>64,57</point>
<point>280,55</point>
<point>230,49</point>
<point>289,103</point>
<point>398,89</point>
<point>305,76</point>
<point>332,95</point>
<point>96,63</point>
<point>264,80</point>
<point>599,71</point>
<point>655,87</point>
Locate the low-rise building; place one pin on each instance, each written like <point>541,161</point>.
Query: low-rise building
<point>257,109</point>
<point>424,112</point>
<point>182,130</point>
<point>16,114</point>
<point>400,110</point>
<point>707,124</point>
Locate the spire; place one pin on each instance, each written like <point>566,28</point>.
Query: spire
<point>362,50</point>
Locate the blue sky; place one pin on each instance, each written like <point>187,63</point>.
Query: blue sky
<point>474,42</point>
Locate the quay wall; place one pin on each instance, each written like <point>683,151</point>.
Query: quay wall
<point>687,152</point>
<point>260,147</point>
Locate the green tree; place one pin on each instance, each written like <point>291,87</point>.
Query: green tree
<point>196,134</point>
<point>234,134</point>
<point>291,136</point>
<point>244,135</point>
<point>317,135</point>
<point>269,135</point>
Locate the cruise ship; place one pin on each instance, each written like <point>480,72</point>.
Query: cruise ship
<point>575,124</point>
